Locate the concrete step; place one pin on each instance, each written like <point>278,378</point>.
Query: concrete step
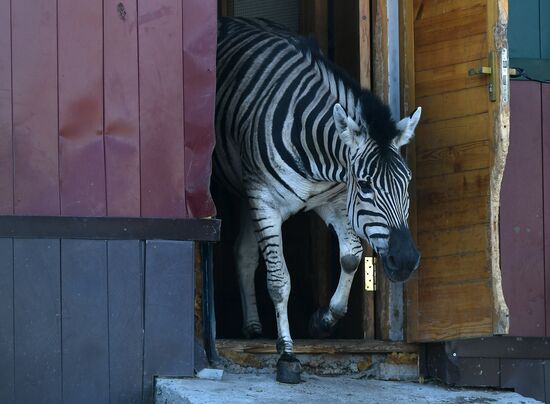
<point>262,388</point>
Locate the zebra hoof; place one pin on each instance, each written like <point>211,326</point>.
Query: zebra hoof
<point>318,326</point>
<point>252,331</point>
<point>288,369</point>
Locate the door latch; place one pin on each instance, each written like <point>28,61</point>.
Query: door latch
<point>491,71</point>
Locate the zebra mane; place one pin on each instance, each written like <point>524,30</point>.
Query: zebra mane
<point>373,112</point>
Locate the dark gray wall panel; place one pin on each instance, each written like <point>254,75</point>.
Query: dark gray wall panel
<point>6,321</point>
<point>525,376</point>
<point>125,263</point>
<point>37,321</point>
<point>85,321</point>
<point>168,349</point>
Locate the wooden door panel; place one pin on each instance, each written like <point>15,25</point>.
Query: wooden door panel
<point>462,212</point>
<point>451,52</point>
<point>448,78</point>
<point>460,148</point>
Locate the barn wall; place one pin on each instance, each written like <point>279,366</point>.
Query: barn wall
<point>110,315</point>
<point>106,108</point>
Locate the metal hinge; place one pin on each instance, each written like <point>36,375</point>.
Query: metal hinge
<point>370,274</point>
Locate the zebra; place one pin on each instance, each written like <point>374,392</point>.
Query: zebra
<point>295,133</point>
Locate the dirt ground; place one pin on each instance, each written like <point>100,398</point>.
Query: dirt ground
<point>262,388</point>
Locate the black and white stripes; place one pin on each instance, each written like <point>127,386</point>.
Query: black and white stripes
<point>296,133</point>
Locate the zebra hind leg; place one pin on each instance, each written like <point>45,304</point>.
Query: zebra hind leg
<point>324,320</point>
<point>247,257</point>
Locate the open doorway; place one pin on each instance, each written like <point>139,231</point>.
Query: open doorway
<point>311,249</point>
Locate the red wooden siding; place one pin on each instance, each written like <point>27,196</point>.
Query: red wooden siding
<point>161,84</point>
<point>81,149</point>
<point>106,107</point>
<point>35,145</point>
<point>199,67</point>
<point>121,109</point>
<point>6,149</point>
<point>523,214</point>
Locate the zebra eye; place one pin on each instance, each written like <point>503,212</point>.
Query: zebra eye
<point>365,185</point>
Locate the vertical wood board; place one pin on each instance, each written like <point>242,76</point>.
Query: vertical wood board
<point>7,387</point>
<point>525,376</point>
<point>37,321</point>
<point>35,107</point>
<point>161,109</point>
<point>81,148</point>
<point>85,336</point>
<point>544,29</point>
<point>169,297</point>
<point>121,97</point>
<point>521,217</point>
<point>545,90</point>
<point>125,296</point>
<point>199,79</point>
<point>6,143</point>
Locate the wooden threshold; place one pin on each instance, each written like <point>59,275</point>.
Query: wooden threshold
<point>313,346</point>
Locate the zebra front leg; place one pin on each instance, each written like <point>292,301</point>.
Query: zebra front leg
<point>268,228</point>
<point>324,320</point>
<point>247,258</point>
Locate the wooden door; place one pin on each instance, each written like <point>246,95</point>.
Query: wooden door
<point>458,161</point>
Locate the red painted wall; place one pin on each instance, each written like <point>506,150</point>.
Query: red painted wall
<point>525,211</point>
<point>106,107</point>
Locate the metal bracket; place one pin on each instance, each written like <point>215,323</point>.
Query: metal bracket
<point>370,274</point>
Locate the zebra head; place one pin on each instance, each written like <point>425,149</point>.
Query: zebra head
<point>377,185</point>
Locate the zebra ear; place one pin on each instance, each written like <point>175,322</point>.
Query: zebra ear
<point>407,126</point>
<point>347,128</point>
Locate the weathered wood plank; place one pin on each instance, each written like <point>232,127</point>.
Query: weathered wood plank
<point>161,106</point>
<point>546,174</point>
<point>453,241</point>
<point>451,132</point>
<point>168,311</point>
<point>81,149</point>
<point>199,77</point>
<point>7,387</point>
<point>469,101</point>
<point>37,321</point>
<point>456,213</point>
<point>449,78</point>
<point>364,43</point>
<point>521,211</point>
<point>85,334</point>
<point>431,8</point>
<point>35,107</point>
<point>333,346</point>
<point>460,268</point>
<point>471,316</point>
<point>125,269</point>
<point>6,135</point>
<point>121,108</point>
<point>451,52</point>
<point>525,376</point>
<point>468,21</point>
<point>452,187</point>
<point>453,159</point>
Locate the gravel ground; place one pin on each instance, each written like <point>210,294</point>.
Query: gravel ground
<point>262,388</point>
